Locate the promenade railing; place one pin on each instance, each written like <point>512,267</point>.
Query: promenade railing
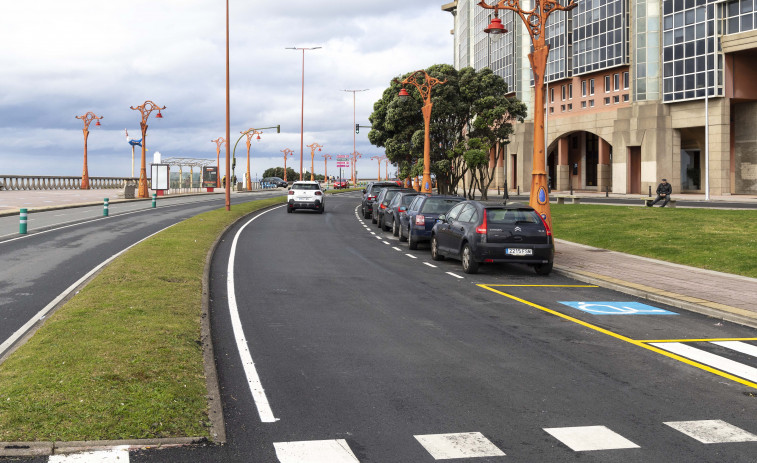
<point>48,182</point>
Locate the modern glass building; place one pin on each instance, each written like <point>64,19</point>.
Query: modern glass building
<point>636,91</point>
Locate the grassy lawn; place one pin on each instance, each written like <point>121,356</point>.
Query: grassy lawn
<point>722,240</point>
<point>122,359</point>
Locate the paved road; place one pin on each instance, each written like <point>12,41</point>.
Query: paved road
<point>366,351</point>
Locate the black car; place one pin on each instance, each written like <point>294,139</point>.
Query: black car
<point>396,209</point>
<point>476,232</point>
<point>369,196</point>
<point>275,181</point>
<point>421,215</point>
<point>381,204</point>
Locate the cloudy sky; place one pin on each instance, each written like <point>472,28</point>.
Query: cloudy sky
<point>60,59</point>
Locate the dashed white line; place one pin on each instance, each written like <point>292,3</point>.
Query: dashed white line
<point>430,265</point>
<point>454,275</point>
<point>386,243</point>
<point>397,249</point>
<point>411,256</point>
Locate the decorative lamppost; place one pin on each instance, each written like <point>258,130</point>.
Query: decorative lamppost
<point>379,159</point>
<point>386,168</point>
<point>218,141</point>
<point>326,157</point>
<point>302,114</point>
<point>87,118</point>
<point>250,134</point>
<point>287,152</point>
<point>355,156</point>
<point>312,159</point>
<point>145,109</point>
<point>535,21</point>
<point>424,88</point>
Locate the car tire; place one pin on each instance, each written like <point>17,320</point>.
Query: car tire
<point>395,228</point>
<point>384,226</point>
<point>412,243</point>
<point>373,218</point>
<point>470,266</point>
<point>435,249</point>
<point>289,209</point>
<point>543,269</point>
<point>366,215</point>
<point>403,238</point>
<point>322,208</point>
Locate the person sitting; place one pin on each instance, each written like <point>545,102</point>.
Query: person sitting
<point>663,193</point>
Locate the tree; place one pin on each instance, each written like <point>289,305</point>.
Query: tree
<point>279,172</point>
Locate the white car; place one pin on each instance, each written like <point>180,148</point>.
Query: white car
<point>306,195</point>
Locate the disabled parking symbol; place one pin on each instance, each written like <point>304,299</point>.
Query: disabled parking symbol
<point>616,308</point>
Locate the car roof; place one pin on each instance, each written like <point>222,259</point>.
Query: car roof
<point>491,204</point>
<point>305,182</point>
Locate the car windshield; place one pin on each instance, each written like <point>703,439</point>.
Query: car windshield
<point>305,186</point>
<point>438,205</point>
<point>512,216</point>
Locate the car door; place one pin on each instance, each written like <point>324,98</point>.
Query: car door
<point>459,227</point>
<point>443,232</point>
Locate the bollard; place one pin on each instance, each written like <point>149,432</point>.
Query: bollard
<point>105,207</point>
<point>22,222</point>
<point>650,191</point>
<point>154,200</point>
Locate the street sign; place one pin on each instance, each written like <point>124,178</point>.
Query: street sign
<point>343,164</point>
<point>342,157</point>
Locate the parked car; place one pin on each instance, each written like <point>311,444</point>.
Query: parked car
<point>369,196</point>
<point>306,195</point>
<point>338,184</point>
<point>276,181</point>
<point>476,233</point>
<point>381,204</point>
<point>396,209</point>
<point>415,227</point>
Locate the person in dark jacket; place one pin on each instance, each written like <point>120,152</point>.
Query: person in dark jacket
<point>663,193</point>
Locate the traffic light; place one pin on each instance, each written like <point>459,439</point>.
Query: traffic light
<point>357,128</point>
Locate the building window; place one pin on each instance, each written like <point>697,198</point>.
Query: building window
<point>591,103</point>
<point>563,92</point>
<point>607,101</point>
<point>607,84</point>
<point>562,108</point>
<point>625,80</point>
<point>570,91</point>
<point>625,97</point>
<point>583,88</point>
<point>583,105</point>
<point>616,82</point>
<point>551,110</point>
<point>616,99</point>
<point>552,95</point>
<point>570,106</point>
<point>591,86</point>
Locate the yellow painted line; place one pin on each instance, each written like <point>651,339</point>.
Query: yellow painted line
<point>642,344</point>
<point>542,286</point>
<point>698,340</point>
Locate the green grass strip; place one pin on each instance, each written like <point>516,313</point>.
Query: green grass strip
<point>122,359</point>
<point>715,239</point>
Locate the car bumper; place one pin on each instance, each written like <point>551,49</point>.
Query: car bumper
<point>305,204</point>
<point>495,253</point>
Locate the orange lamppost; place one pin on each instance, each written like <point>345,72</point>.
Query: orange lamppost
<point>424,88</point>
<point>87,118</point>
<point>250,134</point>
<point>386,168</point>
<point>145,109</point>
<point>326,157</point>
<point>379,159</point>
<point>287,152</point>
<point>535,21</point>
<point>355,156</point>
<point>302,114</point>
<point>218,141</point>
<point>312,159</point>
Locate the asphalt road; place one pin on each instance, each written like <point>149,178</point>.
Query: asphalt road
<point>366,351</point>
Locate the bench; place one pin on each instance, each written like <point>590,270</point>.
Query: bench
<point>573,199</point>
<point>649,199</point>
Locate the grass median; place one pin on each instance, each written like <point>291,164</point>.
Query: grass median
<point>714,239</point>
<point>122,359</point>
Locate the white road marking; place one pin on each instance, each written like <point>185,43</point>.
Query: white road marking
<point>379,238</point>
<point>411,256</point>
<point>373,233</point>
<point>43,313</point>
<point>323,451</point>
<point>712,431</point>
<point>738,346</point>
<point>455,275</point>
<point>253,380</point>
<point>118,454</point>
<point>587,438</point>
<point>460,445</point>
<point>386,243</point>
<point>397,249</point>
<point>715,361</point>
<point>430,265</point>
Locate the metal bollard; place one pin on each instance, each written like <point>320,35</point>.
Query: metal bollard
<point>154,200</point>
<point>22,221</point>
<point>105,207</point>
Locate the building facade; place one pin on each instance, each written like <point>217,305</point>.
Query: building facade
<point>637,90</point>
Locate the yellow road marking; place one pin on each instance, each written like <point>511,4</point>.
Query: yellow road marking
<point>698,340</point>
<point>642,344</point>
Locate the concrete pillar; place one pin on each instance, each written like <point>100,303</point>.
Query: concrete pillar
<point>563,166</point>
<point>604,169</point>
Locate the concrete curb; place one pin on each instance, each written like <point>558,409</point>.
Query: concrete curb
<point>42,449</point>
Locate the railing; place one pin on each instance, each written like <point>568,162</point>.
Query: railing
<point>44,182</point>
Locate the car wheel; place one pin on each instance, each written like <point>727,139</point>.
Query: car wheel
<point>366,215</point>
<point>469,264</point>
<point>403,238</point>
<point>289,209</point>
<point>543,269</point>
<point>322,208</point>
<point>395,228</point>
<point>373,218</point>
<point>412,243</point>
<point>435,249</point>
<point>384,227</point>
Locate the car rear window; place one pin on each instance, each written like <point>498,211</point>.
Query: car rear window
<point>438,205</point>
<point>512,216</point>
<point>407,199</point>
<point>305,186</point>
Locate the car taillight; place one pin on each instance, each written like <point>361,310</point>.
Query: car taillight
<point>546,227</point>
<point>402,209</point>
<point>371,198</point>
<point>420,220</point>
<point>291,192</point>
<point>318,193</point>
<point>481,229</point>
<point>382,206</point>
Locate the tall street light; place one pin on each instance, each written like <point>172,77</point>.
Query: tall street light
<point>312,147</point>
<point>145,109</point>
<point>355,157</point>
<point>87,118</point>
<point>535,21</point>
<point>424,88</point>
<point>218,141</point>
<point>287,152</point>
<point>354,120</point>
<point>326,157</point>
<point>302,114</point>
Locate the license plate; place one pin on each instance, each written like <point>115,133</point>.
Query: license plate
<point>519,252</point>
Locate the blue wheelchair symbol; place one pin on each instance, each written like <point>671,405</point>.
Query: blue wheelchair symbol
<point>616,308</point>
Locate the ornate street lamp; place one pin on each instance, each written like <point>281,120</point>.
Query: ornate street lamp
<point>145,109</point>
<point>535,21</point>
<point>219,142</point>
<point>250,134</point>
<point>326,157</point>
<point>87,118</point>
<point>312,159</point>
<point>355,157</point>
<point>287,152</point>
<point>379,159</point>
<point>424,88</point>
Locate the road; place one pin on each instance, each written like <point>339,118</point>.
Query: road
<point>362,350</point>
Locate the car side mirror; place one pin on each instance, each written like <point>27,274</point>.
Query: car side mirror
<point>442,218</point>
<point>363,191</point>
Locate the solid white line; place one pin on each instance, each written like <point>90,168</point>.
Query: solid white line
<point>430,265</point>
<point>118,454</point>
<point>253,379</point>
<point>715,361</point>
<point>43,313</point>
<point>411,256</point>
<point>456,276</point>
<point>738,346</point>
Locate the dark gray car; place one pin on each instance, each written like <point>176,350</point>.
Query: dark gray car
<point>369,196</point>
<point>397,209</point>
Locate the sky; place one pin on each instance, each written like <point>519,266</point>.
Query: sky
<point>61,59</point>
